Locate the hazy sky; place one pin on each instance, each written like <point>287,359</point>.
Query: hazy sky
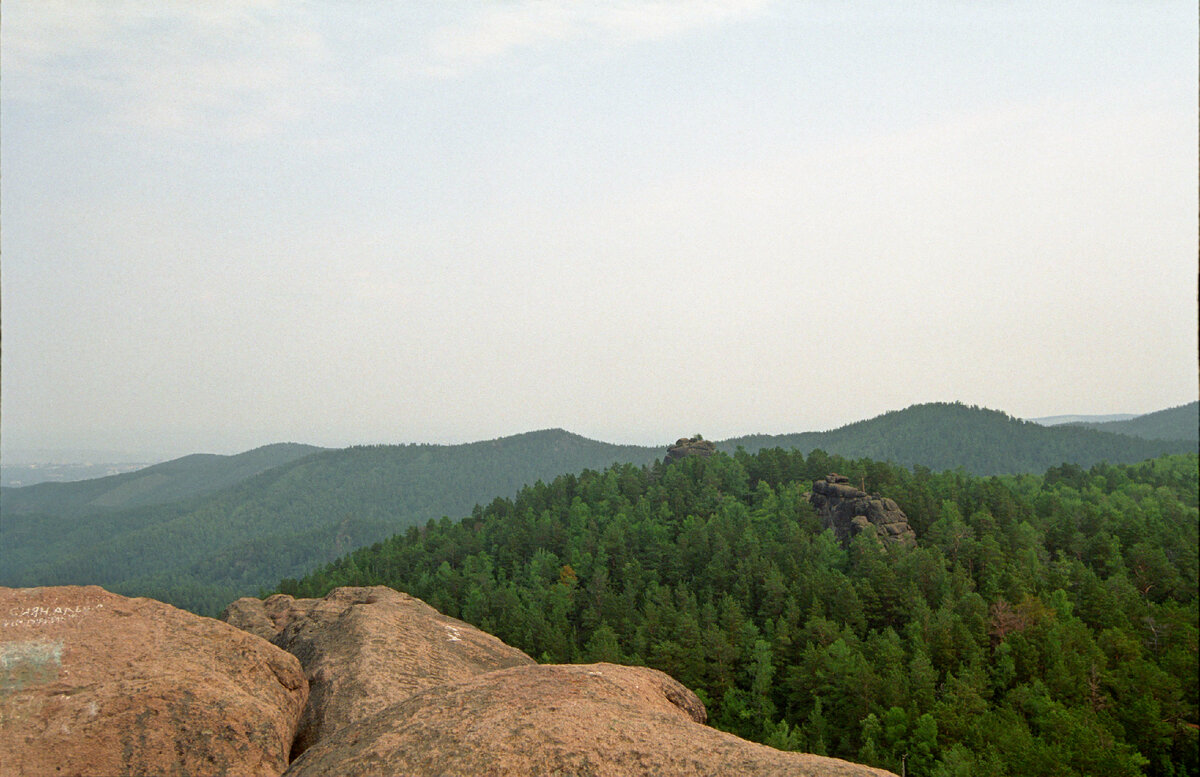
<point>228,224</point>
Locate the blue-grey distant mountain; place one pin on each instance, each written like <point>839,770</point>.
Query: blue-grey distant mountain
<point>18,475</point>
<point>1175,423</point>
<point>1055,420</point>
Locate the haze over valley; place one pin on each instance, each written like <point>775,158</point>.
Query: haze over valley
<point>447,223</point>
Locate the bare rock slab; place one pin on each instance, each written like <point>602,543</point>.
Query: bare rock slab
<point>364,649</point>
<point>92,683</point>
<point>596,719</point>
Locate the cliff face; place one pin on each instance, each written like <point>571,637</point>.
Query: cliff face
<point>849,511</point>
<point>92,683</point>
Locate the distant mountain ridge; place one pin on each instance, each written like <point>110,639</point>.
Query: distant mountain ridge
<point>1055,420</point>
<point>944,436</point>
<point>203,551</point>
<point>200,531</point>
<point>18,475</point>
<point>1174,423</point>
<point>170,481</point>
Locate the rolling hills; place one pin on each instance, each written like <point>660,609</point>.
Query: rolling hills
<point>944,436</point>
<point>170,481</point>
<point>201,551</point>
<point>200,531</point>
<point>1174,423</point>
<point>1055,420</point>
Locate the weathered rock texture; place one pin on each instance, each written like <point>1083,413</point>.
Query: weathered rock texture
<point>597,719</point>
<point>689,446</point>
<point>364,649</point>
<point>92,683</point>
<point>848,511</point>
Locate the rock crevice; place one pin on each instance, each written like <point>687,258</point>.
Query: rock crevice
<point>364,648</point>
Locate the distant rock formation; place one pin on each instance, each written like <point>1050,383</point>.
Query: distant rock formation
<point>365,648</point>
<point>594,719</point>
<point>848,511</point>
<point>690,446</point>
<point>92,683</point>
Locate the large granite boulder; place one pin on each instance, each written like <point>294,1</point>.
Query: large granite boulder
<point>849,511</point>
<point>92,683</point>
<point>364,649</point>
<point>597,719</point>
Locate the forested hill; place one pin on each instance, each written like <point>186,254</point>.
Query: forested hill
<point>171,481</point>
<point>158,533</point>
<point>983,442</point>
<point>1176,423</point>
<point>1043,625</point>
<point>202,552</point>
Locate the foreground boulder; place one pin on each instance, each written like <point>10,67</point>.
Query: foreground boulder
<point>597,719</point>
<point>848,511</point>
<point>364,649</point>
<point>92,683</point>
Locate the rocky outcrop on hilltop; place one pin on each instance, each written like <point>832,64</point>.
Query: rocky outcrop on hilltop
<point>689,446</point>
<point>849,511</point>
<point>92,683</point>
<point>365,648</point>
<point>596,719</point>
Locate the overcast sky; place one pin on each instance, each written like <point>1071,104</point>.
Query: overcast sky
<point>230,224</point>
